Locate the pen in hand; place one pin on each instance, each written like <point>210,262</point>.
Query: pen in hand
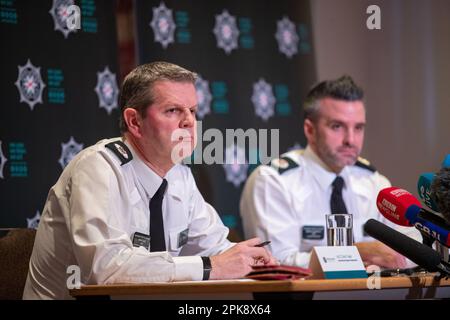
<point>259,259</point>
<point>262,244</point>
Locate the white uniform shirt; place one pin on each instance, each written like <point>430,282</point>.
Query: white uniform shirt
<point>288,207</point>
<point>94,209</point>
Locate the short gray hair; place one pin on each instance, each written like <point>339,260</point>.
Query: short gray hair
<point>137,88</point>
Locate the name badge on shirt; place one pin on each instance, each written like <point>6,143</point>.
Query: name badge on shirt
<point>141,240</point>
<point>183,237</point>
<point>313,232</point>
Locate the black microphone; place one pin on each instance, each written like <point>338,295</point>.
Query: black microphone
<point>440,189</point>
<point>417,252</point>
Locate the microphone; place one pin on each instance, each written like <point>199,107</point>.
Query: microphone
<point>440,188</point>
<point>424,186</point>
<point>446,162</point>
<point>402,208</point>
<point>424,190</point>
<point>395,203</point>
<point>417,252</point>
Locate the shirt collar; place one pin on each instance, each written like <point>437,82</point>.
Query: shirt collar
<point>148,178</point>
<point>320,171</point>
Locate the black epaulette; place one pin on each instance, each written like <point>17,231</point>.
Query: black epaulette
<point>283,164</point>
<point>365,164</point>
<point>121,150</point>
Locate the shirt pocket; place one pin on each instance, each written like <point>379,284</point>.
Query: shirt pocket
<point>178,236</point>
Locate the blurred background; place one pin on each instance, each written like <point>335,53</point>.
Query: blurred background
<point>256,61</point>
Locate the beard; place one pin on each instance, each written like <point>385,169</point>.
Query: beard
<point>337,159</point>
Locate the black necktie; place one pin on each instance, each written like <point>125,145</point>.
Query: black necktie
<point>157,240</point>
<point>337,204</point>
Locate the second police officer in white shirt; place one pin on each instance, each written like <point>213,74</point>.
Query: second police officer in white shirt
<point>286,201</point>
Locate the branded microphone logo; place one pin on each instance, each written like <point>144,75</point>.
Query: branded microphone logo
<point>431,233</point>
<point>389,205</point>
<point>399,192</point>
<point>388,208</point>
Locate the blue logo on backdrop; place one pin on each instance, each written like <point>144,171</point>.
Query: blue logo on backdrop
<point>30,84</point>
<point>287,37</point>
<point>203,96</point>
<point>235,165</point>
<point>68,151</point>
<point>60,14</point>
<point>18,167</point>
<point>8,12</point>
<point>263,99</point>
<point>226,32</point>
<point>107,90</point>
<point>163,25</point>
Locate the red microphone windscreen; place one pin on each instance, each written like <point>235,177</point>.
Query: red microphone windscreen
<point>393,203</point>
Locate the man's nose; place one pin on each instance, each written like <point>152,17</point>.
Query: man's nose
<point>349,138</point>
<point>188,119</point>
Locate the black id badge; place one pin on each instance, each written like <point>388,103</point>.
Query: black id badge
<point>141,240</point>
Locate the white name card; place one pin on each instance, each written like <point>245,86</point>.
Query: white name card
<point>337,263</point>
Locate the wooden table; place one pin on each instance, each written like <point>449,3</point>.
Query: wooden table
<point>401,287</point>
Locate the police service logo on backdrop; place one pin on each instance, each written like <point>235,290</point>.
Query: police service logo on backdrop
<point>3,160</point>
<point>163,25</point>
<point>226,32</point>
<point>33,223</point>
<point>107,90</point>
<point>204,97</point>
<point>287,37</point>
<point>60,14</point>
<point>263,99</point>
<point>235,165</point>
<point>30,84</point>
<point>68,151</point>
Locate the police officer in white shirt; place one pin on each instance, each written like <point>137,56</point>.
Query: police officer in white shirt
<point>286,201</point>
<point>125,210</point>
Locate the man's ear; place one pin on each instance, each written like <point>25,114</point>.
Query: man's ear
<point>133,120</point>
<point>309,130</point>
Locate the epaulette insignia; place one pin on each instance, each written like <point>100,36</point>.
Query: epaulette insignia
<point>121,150</point>
<point>283,164</point>
<point>365,164</point>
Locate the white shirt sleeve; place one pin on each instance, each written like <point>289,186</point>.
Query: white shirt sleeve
<point>267,213</point>
<point>97,216</point>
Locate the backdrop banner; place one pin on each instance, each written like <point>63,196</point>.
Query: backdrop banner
<point>58,95</point>
<point>255,61</point>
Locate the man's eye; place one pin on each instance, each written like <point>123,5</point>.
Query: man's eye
<point>172,110</point>
<point>335,126</point>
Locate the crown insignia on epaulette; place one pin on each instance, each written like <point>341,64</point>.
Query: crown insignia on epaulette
<point>283,164</point>
<point>365,164</point>
<point>121,150</point>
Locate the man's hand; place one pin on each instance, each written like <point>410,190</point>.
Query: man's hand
<point>237,261</point>
<point>381,255</point>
